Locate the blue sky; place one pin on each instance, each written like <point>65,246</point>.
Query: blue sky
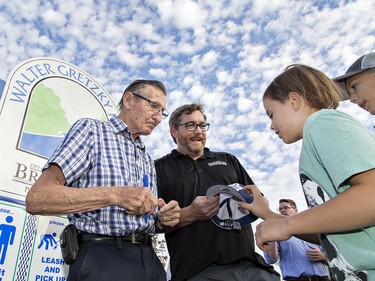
<point>219,53</point>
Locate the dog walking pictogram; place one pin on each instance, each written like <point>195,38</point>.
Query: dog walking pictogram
<point>48,240</point>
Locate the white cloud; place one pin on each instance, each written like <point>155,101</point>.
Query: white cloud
<point>53,17</point>
<point>128,58</point>
<point>209,58</point>
<point>188,14</point>
<point>157,73</point>
<point>181,13</point>
<point>244,104</point>
<point>165,9</point>
<point>261,7</point>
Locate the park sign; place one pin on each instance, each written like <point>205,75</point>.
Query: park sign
<point>40,101</point>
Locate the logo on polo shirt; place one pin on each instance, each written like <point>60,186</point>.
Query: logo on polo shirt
<point>218,163</point>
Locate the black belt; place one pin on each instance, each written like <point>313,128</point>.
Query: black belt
<point>306,278</point>
<point>134,238</point>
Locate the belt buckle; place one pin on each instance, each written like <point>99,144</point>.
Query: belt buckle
<point>133,239</point>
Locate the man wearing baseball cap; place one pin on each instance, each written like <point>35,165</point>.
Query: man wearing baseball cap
<point>358,83</point>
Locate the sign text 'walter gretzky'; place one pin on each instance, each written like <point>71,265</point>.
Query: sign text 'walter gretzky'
<point>41,100</point>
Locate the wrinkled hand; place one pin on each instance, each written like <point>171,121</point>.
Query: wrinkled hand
<point>314,254</point>
<point>135,200</point>
<point>271,230</point>
<point>259,206</point>
<point>169,214</point>
<point>203,208</point>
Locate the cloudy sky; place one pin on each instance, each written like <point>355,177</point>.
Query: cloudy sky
<point>222,54</point>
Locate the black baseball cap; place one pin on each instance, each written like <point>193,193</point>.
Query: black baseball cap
<point>230,215</point>
<point>362,64</point>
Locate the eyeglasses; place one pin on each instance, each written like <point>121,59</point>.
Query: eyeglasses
<point>192,126</point>
<point>284,208</point>
<point>154,106</point>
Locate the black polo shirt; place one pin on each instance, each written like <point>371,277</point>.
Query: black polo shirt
<point>200,244</point>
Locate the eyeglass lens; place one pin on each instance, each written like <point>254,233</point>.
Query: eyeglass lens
<point>194,126</point>
<point>284,208</point>
<point>154,106</point>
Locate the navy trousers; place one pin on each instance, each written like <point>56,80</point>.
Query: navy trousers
<point>106,261</point>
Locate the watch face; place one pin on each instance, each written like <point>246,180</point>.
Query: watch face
<point>230,215</point>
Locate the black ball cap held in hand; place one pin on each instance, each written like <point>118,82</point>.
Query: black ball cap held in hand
<point>231,215</point>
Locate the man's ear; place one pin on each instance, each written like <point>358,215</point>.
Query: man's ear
<point>127,100</point>
<point>173,131</point>
<point>295,100</point>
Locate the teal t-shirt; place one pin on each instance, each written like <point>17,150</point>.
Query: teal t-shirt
<point>335,147</point>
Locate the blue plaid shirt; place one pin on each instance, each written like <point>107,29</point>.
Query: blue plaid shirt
<point>96,153</point>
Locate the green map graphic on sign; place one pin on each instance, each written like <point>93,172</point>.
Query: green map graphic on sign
<point>51,112</point>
